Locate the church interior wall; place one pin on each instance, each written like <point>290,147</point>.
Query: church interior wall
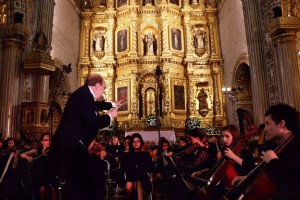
<point>65,38</point>
<point>233,41</point>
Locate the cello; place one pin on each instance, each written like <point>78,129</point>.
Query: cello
<point>224,172</point>
<point>257,185</point>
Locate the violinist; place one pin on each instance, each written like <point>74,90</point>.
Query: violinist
<point>282,126</point>
<point>97,155</point>
<point>136,164</point>
<point>9,145</point>
<point>166,147</point>
<point>195,157</point>
<point>180,185</point>
<point>37,159</point>
<point>181,146</point>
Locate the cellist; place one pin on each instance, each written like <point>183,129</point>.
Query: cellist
<point>282,126</point>
<point>241,160</point>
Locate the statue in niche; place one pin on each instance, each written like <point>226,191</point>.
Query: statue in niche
<point>199,39</point>
<point>150,102</point>
<point>202,97</point>
<point>88,4</point>
<point>102,3</point>
<point>40,41</point>
<point>148,2</point>
<point>149,42</point>
<point>98,42</point>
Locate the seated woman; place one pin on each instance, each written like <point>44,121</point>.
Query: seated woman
<point>126,144</point>
<point>136,164</point>
<point>240,161</point>
<point>166,147</point>
<point>37,158</point>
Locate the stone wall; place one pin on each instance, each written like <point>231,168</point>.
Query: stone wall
<point>65,38</point>
<point>233,42</point>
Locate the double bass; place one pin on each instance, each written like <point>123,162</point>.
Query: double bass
<point>224,172</point>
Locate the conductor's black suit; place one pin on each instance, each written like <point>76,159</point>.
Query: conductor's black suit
<point>78,127</point>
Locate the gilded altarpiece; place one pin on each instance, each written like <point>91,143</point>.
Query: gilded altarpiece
<point>125,42</point>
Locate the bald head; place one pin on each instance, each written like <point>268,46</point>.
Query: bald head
<point>97,84</point>
<point>93,79</point>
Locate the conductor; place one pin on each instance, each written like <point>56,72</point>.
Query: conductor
<point>78,127</point>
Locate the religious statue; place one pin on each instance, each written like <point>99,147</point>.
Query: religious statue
<point>202,97</point>
<point>148,2</point>
<point>199,39</point>
<point>99,42</point>
<point>149,43</point>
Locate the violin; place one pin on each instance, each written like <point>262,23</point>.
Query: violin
<point>187,151</point>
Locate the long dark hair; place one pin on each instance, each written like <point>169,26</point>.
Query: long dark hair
<point>135,135</point>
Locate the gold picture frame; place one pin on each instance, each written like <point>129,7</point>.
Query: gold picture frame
<point>123,93</point>
<point>176,39</point>
<point>122,40</point>
<point>179,100</point>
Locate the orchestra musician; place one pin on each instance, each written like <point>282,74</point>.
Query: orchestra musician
<point>37,159</point>
<point>12,170</point>
<point>282,167</point>
<point>239,161</point>
<point>98,166</point>
<point>196,157</point>
<point>136,164</point>
<point>180,185</point>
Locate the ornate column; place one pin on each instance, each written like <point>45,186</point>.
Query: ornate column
<point>287,70</point>
<point>10,91</point>
<point>110,36</point>
<point>255,43</point>
<point>164,30</point>
<point>45,19</point>
<point>39,59</point>
<point>283,28</point>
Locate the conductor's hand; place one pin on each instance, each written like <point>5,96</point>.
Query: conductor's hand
<point>113,112</point>
<point>119,103</point>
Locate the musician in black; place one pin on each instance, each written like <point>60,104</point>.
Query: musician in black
<point>37,159</point>
<point>282,126</point>
<point>194,158</point>
<point>136,164</point>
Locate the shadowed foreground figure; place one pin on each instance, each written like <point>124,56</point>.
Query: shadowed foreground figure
<point>78,127</point>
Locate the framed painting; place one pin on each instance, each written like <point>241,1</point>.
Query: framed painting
<point>176,39</point>
<point>122,40</point>
<point>122,94</point>
<point>179,97</point>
